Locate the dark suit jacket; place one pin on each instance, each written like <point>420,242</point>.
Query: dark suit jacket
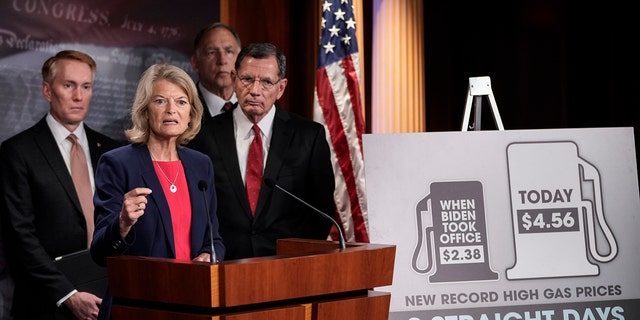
<point>42,216</point>
<point>298,161</point>
<point>129,167</point>
<point>206,113</point>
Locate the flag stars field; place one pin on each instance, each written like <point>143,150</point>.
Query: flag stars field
<point>337,105</point>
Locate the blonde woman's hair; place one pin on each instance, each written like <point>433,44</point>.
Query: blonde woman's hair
<point>140,131</point>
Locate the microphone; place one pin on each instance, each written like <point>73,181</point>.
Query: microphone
<point>202,185</point>
<point>271,183</point>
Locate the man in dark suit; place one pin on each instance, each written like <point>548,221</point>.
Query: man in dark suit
<point>43,217</point>
<point>295,155</point>
<point>215,50</point>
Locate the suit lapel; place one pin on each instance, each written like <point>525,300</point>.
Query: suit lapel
<point>96,148</point>
<point>148,172</point>
<point>199,214</point>
<point>206,115</point>
<point>280,139</point>
<point>50,151</point>
<point>225,139</point>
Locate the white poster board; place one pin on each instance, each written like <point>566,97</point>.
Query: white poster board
<point>505,225</point>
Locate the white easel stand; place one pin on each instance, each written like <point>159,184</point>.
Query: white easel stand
<point>478,87</point>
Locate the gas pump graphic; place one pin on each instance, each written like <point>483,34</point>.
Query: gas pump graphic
<point>553,217</point>
<point>453,234</point>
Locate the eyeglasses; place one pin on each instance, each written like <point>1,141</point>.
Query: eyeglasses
<point>266,84</point>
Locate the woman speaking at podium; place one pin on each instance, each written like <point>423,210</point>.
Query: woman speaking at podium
<point>155,197</point>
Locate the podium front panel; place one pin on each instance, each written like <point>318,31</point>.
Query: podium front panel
<point>308,279</point>
<point>292,312</point>
<point>372,306</point>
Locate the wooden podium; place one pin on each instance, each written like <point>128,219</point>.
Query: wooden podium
<point>307,279</point>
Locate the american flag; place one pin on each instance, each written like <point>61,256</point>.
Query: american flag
<point>337,105</point>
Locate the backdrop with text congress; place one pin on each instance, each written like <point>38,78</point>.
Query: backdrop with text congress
<point>124,37</point>
<point>508,225</point>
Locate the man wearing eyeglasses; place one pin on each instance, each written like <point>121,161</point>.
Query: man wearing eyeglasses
<point>289,149</point>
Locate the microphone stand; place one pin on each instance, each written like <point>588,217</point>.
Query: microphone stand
<point>202,185</point>
<point>342,242</point>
